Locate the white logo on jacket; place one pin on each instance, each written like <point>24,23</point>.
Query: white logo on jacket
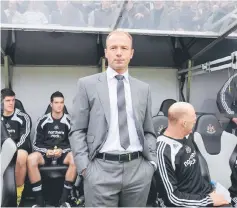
<point>191,160</point>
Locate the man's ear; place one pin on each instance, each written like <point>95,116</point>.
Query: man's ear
<point>105,50</point>
<point>184,124</point>
<point>132,52</point>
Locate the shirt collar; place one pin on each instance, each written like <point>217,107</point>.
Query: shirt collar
<point>112,73</point>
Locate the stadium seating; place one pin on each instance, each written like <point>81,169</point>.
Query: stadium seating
<point>160,122</point>
<point>165,106</point>
<point>217,147</point>
<point>19,105</point>
<point>8,184</point>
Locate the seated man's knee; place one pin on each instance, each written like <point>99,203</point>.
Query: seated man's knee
<point>22,156</point>
<point>33,159</point>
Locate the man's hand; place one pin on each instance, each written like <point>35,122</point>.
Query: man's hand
<point>58,153</point>
<point>218,199</point>
<point>49,153</point>
<point>234,120</point>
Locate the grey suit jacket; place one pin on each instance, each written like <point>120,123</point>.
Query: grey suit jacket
<point>91,118</point>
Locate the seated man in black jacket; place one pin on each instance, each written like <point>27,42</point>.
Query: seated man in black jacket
<point>178,176</point>
<point>227,102</point>
<point>18,127</point>
<point>51,145</point>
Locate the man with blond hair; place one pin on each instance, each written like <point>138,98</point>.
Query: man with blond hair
<point>178,176</point>
<point>112,135</point>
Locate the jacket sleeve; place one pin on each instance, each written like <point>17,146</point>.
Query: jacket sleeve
<point>25,130</point>
<point>168,177</point>
<point>79,126</point>
<point>67,147</point>
<point>149,131</point>
<point>39,138</point>
<point>226,96</point>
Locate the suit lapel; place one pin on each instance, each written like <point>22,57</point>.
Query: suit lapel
<point>103,92</point>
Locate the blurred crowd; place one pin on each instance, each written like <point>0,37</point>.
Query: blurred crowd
<point>174,15</point>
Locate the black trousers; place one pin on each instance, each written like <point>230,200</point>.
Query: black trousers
<point>228,205</point>
<point>230,127</point>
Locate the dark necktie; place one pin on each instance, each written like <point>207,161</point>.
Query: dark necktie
<point>122,114</point>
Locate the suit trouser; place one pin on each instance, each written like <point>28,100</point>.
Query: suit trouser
<point>112,184</point>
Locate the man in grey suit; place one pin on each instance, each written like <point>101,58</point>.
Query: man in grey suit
<point>112,135</point>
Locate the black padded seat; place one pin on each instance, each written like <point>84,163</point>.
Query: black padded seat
<point>19,105</point>
<point>8,183</point>
<point>216,146</point>
<point>165,105</point>
<point>160,122</point>
<point>57,171</point>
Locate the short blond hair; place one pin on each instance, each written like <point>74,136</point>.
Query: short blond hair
<point>119,32</point>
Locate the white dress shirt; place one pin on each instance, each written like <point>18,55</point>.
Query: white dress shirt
<point>112,143</point>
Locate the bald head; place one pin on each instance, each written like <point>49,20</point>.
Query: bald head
<point>181,120</point>
<point>180,110</point>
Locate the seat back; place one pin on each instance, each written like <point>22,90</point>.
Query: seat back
<point>8,162</point>
<point>159,122</point>
<point>19,105</point>
<point>165,105</point>
<point>216,146</point>
<point>210,106</point>
<point>203,163</point>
